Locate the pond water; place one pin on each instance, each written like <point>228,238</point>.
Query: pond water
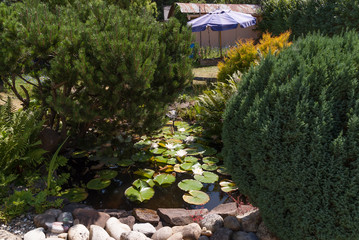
<point>113,197</point>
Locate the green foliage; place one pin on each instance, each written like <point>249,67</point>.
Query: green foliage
<point>291,138</point>
<point>211,104</point>
<point>304,16</point>
<point>246,54</point>
<point>20,152</point>
<point>92,62</point>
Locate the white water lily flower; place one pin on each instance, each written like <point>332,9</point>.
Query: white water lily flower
<point>182,130</point>
<point>170,146</point>
<point>197,170</point>
<point>189,139</point>
<point>154,145</point>
<point>181,153</point>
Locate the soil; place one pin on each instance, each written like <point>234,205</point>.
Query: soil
<point>15,102</point>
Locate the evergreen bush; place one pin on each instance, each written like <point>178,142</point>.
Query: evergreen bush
<point>291,138</point>
<point>304,16</point>
<point>246,54</point>
<point>93,62</point>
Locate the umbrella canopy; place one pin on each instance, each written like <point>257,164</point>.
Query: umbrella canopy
<point>221,20</point>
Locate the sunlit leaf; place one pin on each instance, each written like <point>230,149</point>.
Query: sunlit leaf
<point>178,169</point>
<point>207,177</point>
<point>145,173</point>
<point>228,186</point>
<point>209,167</point>
<point>139,183</point>
<point>186,166</point>
<point>164,179</point>
<point>190,184</point>
<point>158,150</point>
<point>196,197</point>
<point>191,159</point>
<point>139,195</point>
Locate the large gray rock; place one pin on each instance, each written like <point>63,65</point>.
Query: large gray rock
<point>54,212</point>
<point>180,216</point>
<point>90,217</point>
<point>225,209</point>
<point>222,234</point>
<point>98,233</point>
<point>162,234</point>
<point>133,236</point>
<point>145,215</point>
<point>244,236</point>
<point>231,222</point>
<point>78,232</point>
<point>115,228</point>
<point>263,233</point>
<point>250,221</point>
<point>44,220</point>
<point>146,228</point>
<point>8,236</point>
<point>212,222</point>
<point>36,234</point>
<point>191,231</point>
<point>65,217</point>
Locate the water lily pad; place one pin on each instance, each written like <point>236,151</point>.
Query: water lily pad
<point>180,124</point>
<point>179,136</point>
<point>210,160</point>
<point>141,157</point>
<point>228,186</point>
<point>160,159</point>
<point>140,195</point>
<point>222,170</point>
<point>186,166</point>
<point>190,184</point>
<point>174,141</point>
<point>191,159</point>
<point>171,161</point>
<point>178,169</point>
<point>194,151</point>
<point>209,167</point>
<point>164,179</point>
<point>207,177</point>
<point>98,184</point>
<point>209,151</point>
<point>75,194</point>
<point>125,162</point>
<point>167,169</point>
<point>170,153</point>
<point>196,197</point>
<point>142,144</point>
<point>145,173</point>
<point>107,174</point>
<point>158,150</point>
<point>139,183</point>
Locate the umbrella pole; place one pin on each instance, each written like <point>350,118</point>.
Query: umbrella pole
<point>220,42</point>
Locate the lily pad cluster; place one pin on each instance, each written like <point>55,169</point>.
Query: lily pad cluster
<point>174,151</point>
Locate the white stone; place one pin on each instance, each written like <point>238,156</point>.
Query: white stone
<point>36,234</point>
<point>133,235</point>
<point>212,222</point>
<point>115,228</point>
<point>145,228</point>
<point>176,236</point>
<point>162,233</point>
<point>98,233</point>
<point>78,232</point>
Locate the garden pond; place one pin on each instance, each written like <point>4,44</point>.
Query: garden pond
<point>175,168</point>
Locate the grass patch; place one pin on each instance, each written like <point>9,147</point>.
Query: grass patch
<point>205,72</point>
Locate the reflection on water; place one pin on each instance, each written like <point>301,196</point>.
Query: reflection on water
<point>113,197</point>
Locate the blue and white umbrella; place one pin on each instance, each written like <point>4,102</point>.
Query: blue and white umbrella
<point>221,20</point>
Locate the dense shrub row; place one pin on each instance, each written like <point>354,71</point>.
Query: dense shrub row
<point>291,138</point>
<point>304,16</point>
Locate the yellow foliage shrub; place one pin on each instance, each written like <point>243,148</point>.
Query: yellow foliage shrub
<point>245,54</point>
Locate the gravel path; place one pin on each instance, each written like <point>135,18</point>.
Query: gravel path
<point>19,225</point>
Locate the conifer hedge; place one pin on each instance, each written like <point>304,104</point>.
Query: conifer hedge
<point>92,62</point>
<point>291,138</point>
